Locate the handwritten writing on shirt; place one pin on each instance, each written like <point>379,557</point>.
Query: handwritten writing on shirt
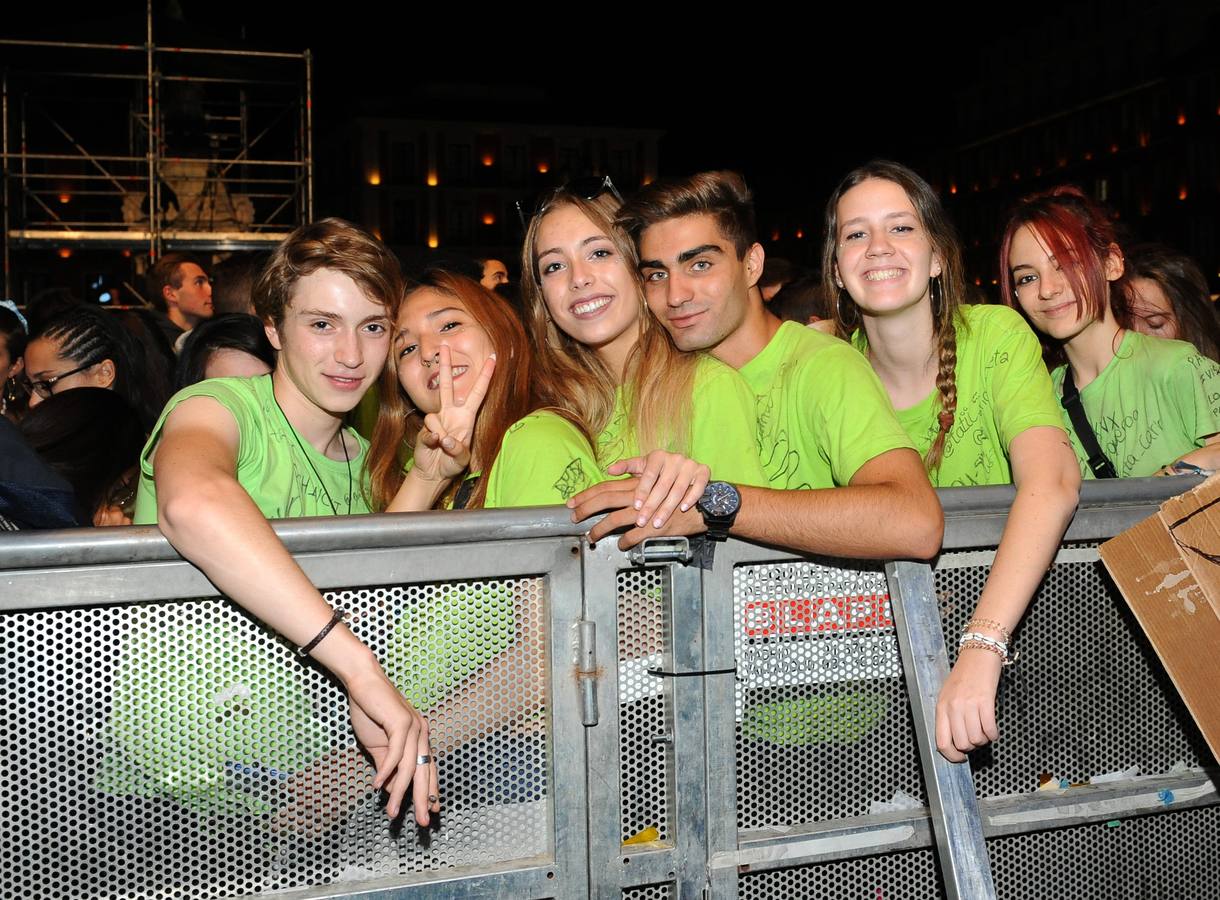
<point>1209,379</point>
<point>776,450</point>
<point>572,480</point>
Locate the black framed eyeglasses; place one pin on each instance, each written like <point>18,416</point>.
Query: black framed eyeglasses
<point>42,387</point>
<point>588,188</point>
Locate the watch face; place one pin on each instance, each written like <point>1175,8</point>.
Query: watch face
<point>720,499</point>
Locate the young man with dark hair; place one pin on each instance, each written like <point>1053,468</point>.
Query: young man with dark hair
<point>228,454</point>
<point>182,293</point>
<point>844,478</point>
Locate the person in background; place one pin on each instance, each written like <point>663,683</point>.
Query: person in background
<point>13,336</point>
<point>233,281</point>
<point>32,494</point>
<point>233,345</point>
<point>86,346</point>
<point>1134,405</point>
<point>181,292</point>
<point>778,273</point>
<point>91,437</point>
<point>969,387</point>
<point>800,301</point>
<point>495,273</point>
<point>1169,298</point>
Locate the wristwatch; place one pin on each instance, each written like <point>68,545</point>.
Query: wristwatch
<point>719,505</point>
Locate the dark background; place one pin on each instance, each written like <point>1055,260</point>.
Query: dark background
<point>1081,92</point>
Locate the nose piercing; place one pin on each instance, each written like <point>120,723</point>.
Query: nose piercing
<point>428,363</point>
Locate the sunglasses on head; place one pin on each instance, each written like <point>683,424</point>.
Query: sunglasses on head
<point>589,188</point>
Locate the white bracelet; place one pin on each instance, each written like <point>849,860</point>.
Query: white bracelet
<point>977,637</point>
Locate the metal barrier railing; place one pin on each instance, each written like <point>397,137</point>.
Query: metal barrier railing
<point>614,728</point>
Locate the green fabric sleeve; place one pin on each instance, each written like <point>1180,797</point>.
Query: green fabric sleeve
<point>543,460</point>
<point>240,404</point>
<point>723,425</point>
<point>1021,391</point>
<point>851,411</point>
<point>1193,386</point>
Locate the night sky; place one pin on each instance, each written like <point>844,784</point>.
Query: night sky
<point>745,94</point>
<point>791,106</point>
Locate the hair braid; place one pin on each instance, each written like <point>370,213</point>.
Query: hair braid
<point>946,385</point>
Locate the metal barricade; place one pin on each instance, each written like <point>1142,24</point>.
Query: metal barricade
<point>617,726</point>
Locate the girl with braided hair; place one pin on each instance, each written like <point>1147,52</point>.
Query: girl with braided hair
<point>970,388</point>
<point>86,346</point>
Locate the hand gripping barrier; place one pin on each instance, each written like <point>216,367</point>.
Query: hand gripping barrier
<point>608,726</point>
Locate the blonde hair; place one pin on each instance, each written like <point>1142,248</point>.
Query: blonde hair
<point>658,379</point>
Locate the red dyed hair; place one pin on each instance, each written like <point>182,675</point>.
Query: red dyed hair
<point>1079,235</point>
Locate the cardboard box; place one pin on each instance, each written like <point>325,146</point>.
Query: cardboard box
<point>1168,570</point>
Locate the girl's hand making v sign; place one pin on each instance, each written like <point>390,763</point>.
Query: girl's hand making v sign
<point>442,450</point>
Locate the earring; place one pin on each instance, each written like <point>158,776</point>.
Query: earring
<point>849,322</point>
<point>936,295</point>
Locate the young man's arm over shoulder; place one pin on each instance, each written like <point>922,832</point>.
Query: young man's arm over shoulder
<point>211,520</point>
<point>888,511</point>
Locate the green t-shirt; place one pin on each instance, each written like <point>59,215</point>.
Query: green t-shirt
<point>544,460</point>
<point>442,640</point>
<point>191,701</point>
<point>721,431</point>
<point>1003,388</point>
<point>1156,401</point>
<point>822,413</point>
<point>279,471</point>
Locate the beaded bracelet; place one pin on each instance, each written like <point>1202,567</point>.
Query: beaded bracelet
<point>973,624</point>
<point>976,641</point>
<point>339,616</point>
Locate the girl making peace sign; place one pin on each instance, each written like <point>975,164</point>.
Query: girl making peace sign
<point>476,443</point>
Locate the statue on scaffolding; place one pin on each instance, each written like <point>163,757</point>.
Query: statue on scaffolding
<point>192,194</point>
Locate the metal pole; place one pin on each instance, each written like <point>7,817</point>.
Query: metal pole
<point>956,823</point>
<point>13,42</point>
<point>153,200</point>
<point>82,151</point>
<point>8,291</point>
<point>25,210</point>
<point>308,136</point>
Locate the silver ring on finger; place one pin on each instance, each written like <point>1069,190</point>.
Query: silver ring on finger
<point>423,759</point>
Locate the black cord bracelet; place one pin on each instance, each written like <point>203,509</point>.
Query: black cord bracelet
<point>339,616</point>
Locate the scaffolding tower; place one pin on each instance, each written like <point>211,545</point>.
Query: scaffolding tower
<point>145,148</point>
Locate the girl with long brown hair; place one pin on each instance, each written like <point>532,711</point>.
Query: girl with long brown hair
<point>969,386</point>
<point>459,390</point>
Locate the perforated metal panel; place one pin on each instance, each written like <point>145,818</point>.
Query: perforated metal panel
<point>180,749</point>
<point>823,721</point>
<point>1175,856</point>
<point>645,759</point>
<point>1088,695</point>
<point>899,876</point>
<point>650,892</point>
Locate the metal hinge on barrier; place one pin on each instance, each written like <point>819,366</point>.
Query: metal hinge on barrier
<point>584,640</point>
<point>661,550</point>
